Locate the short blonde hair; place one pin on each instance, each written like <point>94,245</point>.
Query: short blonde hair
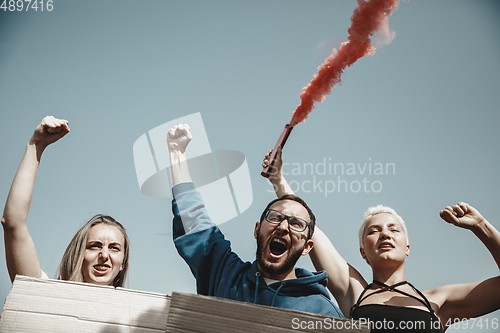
<point>379,209</point>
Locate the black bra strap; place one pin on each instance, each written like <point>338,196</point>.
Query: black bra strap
<point>361,298</point>
<point>423,297</point>
<point>385,287</point>
<point>424,300</point>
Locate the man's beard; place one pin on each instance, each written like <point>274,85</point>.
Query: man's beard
<point>272,268</point>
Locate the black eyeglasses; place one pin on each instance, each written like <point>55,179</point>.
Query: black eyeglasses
<point>295,223</point>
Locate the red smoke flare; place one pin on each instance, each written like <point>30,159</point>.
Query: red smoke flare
<point>367,18</point>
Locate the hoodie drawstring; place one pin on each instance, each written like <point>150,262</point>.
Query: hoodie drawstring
<point>282,284</point>
<point>256,287</point>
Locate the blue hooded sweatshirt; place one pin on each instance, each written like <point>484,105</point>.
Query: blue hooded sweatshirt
<point>220,272</point>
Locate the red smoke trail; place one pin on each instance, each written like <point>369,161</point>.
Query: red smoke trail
<point>367,18</point>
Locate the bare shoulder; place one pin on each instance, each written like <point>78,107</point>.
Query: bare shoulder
<point>438,296</point>
<point>466,300</point>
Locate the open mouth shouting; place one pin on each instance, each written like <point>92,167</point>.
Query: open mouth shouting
<point>276,256</point>
<point>277,247</point>
<point>101,269</point>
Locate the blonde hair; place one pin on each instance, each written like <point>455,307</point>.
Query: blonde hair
<point>70,268</point>
<point>379,209</point>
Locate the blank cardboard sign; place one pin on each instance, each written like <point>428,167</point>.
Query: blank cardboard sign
<point>39,305</point>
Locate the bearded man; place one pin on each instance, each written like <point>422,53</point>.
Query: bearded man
<point>283,235</point>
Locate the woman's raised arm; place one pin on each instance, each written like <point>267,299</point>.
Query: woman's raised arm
<point>470,300</point>
<point>20,250</point>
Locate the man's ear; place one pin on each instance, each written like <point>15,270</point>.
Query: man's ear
<point>256,230</point>
<point>408,250</point>
<point>308,247</point>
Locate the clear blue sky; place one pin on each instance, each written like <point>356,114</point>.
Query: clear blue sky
<point>427,103</point>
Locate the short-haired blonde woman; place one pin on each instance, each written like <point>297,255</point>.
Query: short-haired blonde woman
<point>99,251</point>
<point>390,303</point>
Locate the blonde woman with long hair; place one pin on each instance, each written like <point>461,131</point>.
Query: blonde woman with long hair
<point>98,253</point>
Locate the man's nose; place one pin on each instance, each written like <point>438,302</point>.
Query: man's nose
<point>284,226</point>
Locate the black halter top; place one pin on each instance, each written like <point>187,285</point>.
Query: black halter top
<point>390,318</point>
